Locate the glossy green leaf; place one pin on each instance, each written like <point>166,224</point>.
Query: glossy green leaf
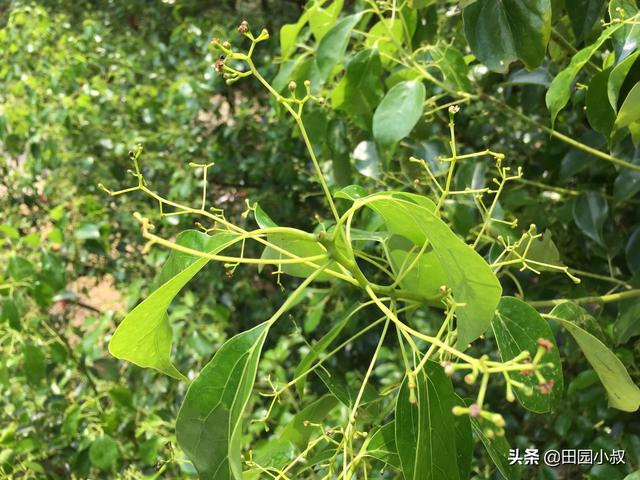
<point>617,78</point>
<point>502,31</point>
<point>632,251</point>
<point>468,275</point>
<point>297,432</point>
<point>322,19</point>
<point>584,14</point>
<point>627,183</point>
<point>352,192</point>
<point>103,452</point>
<point>590,212</point>
<point>497,448</point>
<point>425,432</point>
<point>627,324</point>
<point>600,114</point>
<point>334,44</point>
<point>382,445</point>
<point>517,327</point>
<point>627,38</point>
<point>623,393</point>
<point>367,160</point>
<point>208,427</point>
<point>144,337</point>
<point>560,90</point>
<point>630,109</point>
<point>398,112</point>
<point>360,90</point>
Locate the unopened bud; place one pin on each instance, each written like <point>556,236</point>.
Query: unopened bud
<point>459,411</point>
<point>498,420</point>
<point>292,85</point>
<point>545,343</point>
<point>243,27</point>
<point>475,410</point>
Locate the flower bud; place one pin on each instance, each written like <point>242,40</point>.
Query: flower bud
<point>243,27</point>
<point>292,85</point>
<point>459,411</point>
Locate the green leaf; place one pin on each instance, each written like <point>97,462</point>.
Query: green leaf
<point>35,367</point>
<point>208,427</point>
<point>425,432</point>
<point>398,112</point>
<point>590,212</point>
<point>87,231</point>
<point>317,349</point>
<point>360,90</point>
<point>560,90</point>
<point>627,183</point>
<point>599,112</point>
<point>627,324</point>
<point>630,109</point>
<point>20,268</point>
<point>382,445</point>
<point>470,278</point>
<point>385,36</point>
<point>367,160</point>
<point>498,449</point>
<point>453,67</point>
<point>425,277</point>
<point>144,337</point>
<point>632,251</point>
<point>617,78</point>
<point>346,392</point>
<point>352,192</point>
<point>294,243</point>
<point>11,312</point>
<point>9,232</point>
<point>623,393</point>
<point>334,44</point>
<point>584,14</point>
<point>627,39</point>
<point>542,250</point>
<point>296,430</point>
<point>517,327</point>
<point>322,19</point>
<point>502,31</point>
<point>103,452</point>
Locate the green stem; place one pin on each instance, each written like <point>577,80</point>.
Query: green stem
<point>560,136</point>
<point>612,297</point>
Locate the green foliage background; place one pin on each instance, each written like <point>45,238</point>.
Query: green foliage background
<point>82,83</point>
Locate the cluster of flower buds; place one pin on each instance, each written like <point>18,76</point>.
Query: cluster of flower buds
<point>476,411</point>
<point>232,74</point>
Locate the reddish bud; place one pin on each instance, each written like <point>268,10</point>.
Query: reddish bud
<point>474,410</point>
<point>546,344</point>
<point>546,387</point>
<point>243,27</point>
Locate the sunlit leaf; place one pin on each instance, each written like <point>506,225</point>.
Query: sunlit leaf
<point>398,112</point>
<point>623,393</point>
<point>144,337</point>
<point>208,427</point>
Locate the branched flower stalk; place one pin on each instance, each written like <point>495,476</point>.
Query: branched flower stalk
<point>339,259</point>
